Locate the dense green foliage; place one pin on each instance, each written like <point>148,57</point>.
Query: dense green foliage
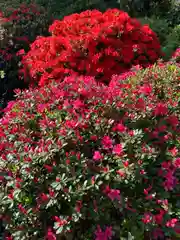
<point>172,42</point>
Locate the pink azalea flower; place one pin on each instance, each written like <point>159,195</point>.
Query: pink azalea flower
<point>107,142</point>
<point>160,109</point>
<point>112,193</point>
<point>173,120</point>
<point>159,217</point>
<point>118,149</point>
<point>166,165</point>
<point>146,89</point>
<point>78,104</point>
<point>147,218</point>
<point>172,223</point>
<point>97,156</point>
<point>50,235</point>
<point>20,52</point>
<point>177,163</point>
<point>174,151</point>
<point>106,235</point>
<point>119,128</point>
<point>170,181</point>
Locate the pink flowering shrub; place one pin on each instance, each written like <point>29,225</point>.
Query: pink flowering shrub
<point>90,161</point>
<point>92,44</point>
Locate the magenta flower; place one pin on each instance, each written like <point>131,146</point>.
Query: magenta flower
<point>147,218</point>
<point>170,181</point>
<point>106,235</point>
<point>97,156</point>
<point>118,149</point>
<point>177,163</point>
<point>159,217</point>
<point>20,52</point>
<point>174,151</point>
<point>107,142</point>
<point>146,89</point>
<point>119,128</point>
<point>160,109</point>
<point>172,223</point>
<point>112,193</point>
<point>50,235</point>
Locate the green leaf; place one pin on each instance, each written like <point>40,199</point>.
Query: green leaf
<point>130,236</point>
<point>16,193</point>
<point>75,217</point>
<point>51,203</point>
<point>59,230</point>
<point>85,184</point>
<point>56,185</point>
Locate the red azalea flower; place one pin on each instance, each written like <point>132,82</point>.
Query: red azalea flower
<point>160,109</point>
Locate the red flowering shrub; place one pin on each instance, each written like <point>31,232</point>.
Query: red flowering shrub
<point>21,27</point>
<point>28,21</point>
<point>92,44</point>
<point>93,161</point>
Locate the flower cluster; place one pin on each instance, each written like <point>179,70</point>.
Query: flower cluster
<point>92,44</point>
<point>78,153</point>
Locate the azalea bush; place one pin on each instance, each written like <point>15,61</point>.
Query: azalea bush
<point>90,161</point>
<point>27,22</point>
<point>91,44</point>
<point>20,27</point>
